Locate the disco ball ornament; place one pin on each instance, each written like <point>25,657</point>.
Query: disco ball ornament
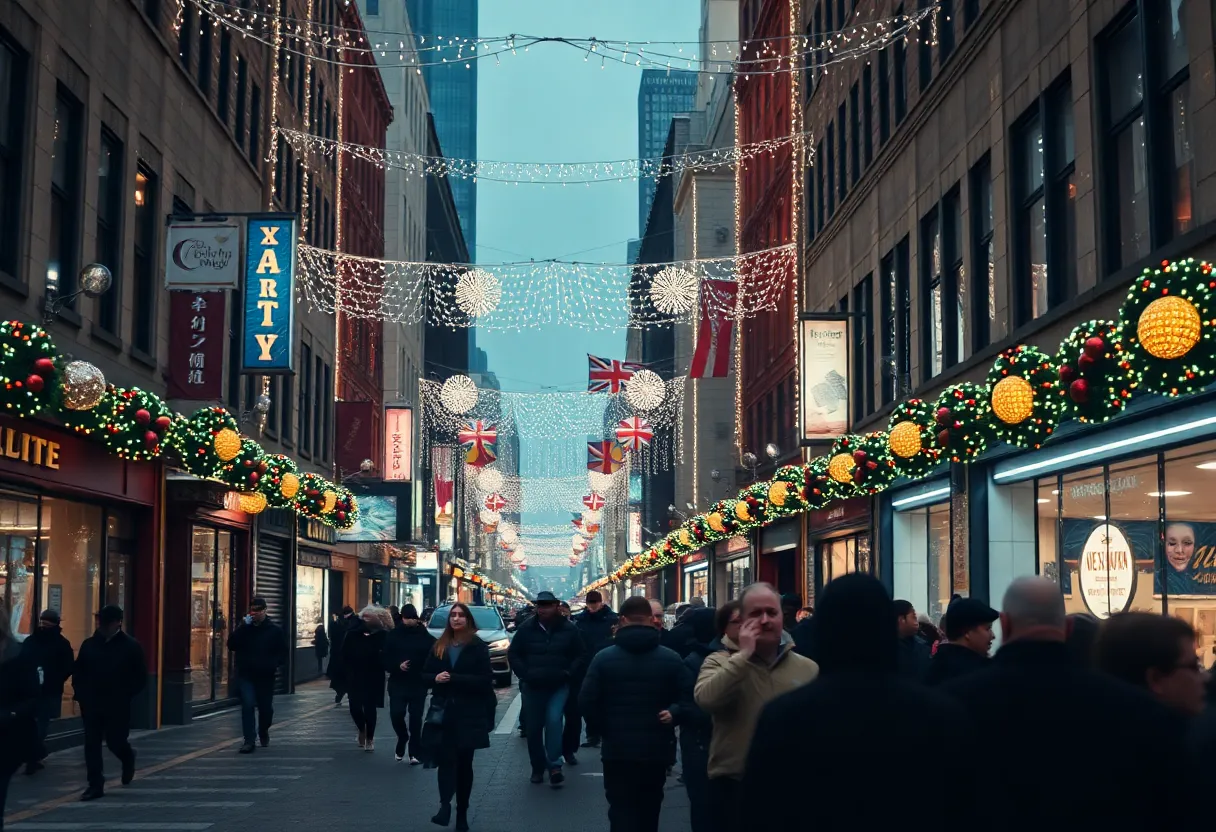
<point>490,480</point>
<point>290,486</point>
<point>95,279</point>
<point>645,390</point>
<point>478,293</point>
<point>458,394</point>
<point>1013,400</point>
<point>674,291</point>
<point>1169,327</point>
<point>262,405</point>
<point>252,502</point>
<point>83,385</point>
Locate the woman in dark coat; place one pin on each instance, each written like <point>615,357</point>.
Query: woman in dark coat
<point>19,691</point>
<point>363,660</point>
<point>320,645</point>
<point>459,673</point>
<point>337,638</point>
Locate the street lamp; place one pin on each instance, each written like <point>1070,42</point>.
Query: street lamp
<point>94,280</point>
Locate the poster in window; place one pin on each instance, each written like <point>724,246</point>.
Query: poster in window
<point>310,603</point>
<point>824,348</point>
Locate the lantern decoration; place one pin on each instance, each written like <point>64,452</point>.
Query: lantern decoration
<point>963,420</point>
<point>490,480</point>
<point>227,444</point>
<point>458,394</point>
<point>83,385</point>
<point>913,450</point>
<point>496,502</point>
<point>593,501</point>
<point>280,483</point>
<point>1168,319</point>
<point>29,369</point>
<point>479,437</point>
<point>1024,396</point>
<point>253,502</point>
<point>634,433</point>
<point>310,499</point>
<point>194,440</point>
<point>245,469</point>
<point>135,425</point>
<point>1094,373</point>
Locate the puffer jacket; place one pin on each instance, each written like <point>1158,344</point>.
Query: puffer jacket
<point>733,690</point>
<point>546,659</point>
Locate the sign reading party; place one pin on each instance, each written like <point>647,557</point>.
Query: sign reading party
<point>270,259</point>
<point>1106,571</point>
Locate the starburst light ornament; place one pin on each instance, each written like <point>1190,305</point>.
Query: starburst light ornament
<point>600,482</point>
<point>508,534</point>
<point>490,480</point>
<point>645,390</point>
<point>458,394</point>
<point>674,290</point>
<point>478,293</point>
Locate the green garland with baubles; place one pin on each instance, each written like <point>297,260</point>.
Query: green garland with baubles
<point>1164,342</point>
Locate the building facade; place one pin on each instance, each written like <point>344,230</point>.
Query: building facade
<point>661,94</point>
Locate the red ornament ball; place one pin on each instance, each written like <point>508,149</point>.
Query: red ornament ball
<point>142,416</point>
<point>151,439</point>
<point>1095,346</point>
<point>249,463</point>
<point>859,457</point>
<point>1078,391</point>
<point>943,415</point>
<point>341,515</point>
<point>45,366</point>
<point>943,438</point>
<point>1067,373</point>
<point>254,476</point>
<point>35,383</point>
<point>163,423</point>
<point>1085,362</point>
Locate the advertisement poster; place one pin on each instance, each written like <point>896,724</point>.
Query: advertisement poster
<point>1190,553</point>
<point>269,297</point>
<point>398,444</point>
<point>310,603</point>
<point>377,522</point>
<point>824,347</point>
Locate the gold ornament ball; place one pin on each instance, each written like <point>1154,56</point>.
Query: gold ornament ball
<point>1169,327</point>
<point>227,444</point>
<point>330,499</point>
<point>252,502</point>
<point>778,492</point>
<point>741,512</point>
<point>685,538</point>
<point>83,385</point>
<point>290,485</point>
<point>841,468</point>
<point>904,440</point>
<point>715,523</point>
<point>1013,400</point>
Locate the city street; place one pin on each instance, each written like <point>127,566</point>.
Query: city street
<point>313,776</point>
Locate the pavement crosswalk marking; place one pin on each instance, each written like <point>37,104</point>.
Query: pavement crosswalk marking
<point>209,776</point>
<point>184,790</point>
<point>507,724</point>
<point>108,826</point>
<point>160,804</point>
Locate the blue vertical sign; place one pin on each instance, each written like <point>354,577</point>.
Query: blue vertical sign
<point>270,262</point>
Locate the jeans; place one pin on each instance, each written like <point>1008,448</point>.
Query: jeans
<point>544,710</point>
<point>456,777</point>
<point>364,716</point>
<point>113,725</point>
<point>256,693</point>
<point>635,795</point>
<point>398,704</point>
<point>724,803</point>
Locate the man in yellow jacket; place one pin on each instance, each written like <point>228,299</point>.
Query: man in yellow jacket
<point>734,686</point>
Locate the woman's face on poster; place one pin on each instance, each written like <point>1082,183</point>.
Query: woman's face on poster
<point>1179,545</point>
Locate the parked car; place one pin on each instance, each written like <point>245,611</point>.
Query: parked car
<point>491,630</point>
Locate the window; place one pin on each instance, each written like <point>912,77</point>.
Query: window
<point>225,79</point>
<point>306,399</point>
<point>184,34</point>
<point>983,275</point>
<point>945,31</point>
<point>884,96</point>
<point>13,63</point>
<point>242,84</point>
<point>66,150</point>
<point>205,50</point>
<point>931,291</point>
<point>286,411</point>
<point>855,128</point>
<point>816,41</point>
<point>956,284</point>
<point>896,318</point>
<point>1170,41</point>
<point>841,145</point>
<point>863,350</point>
<point>144,295</point>
<point>255,120</point>
<point>867,113</point>
<point>810,201</point>
<point>900,73</point>
<point>924,51</point>
<point>319,403</point>
<point>820,189</point>
<point>109,226</point>
<point>831,171</point>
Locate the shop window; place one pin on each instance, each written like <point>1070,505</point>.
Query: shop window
<point>13,62</point>
<point>110,202</point>
<point>941,562</point>
<point>66,160</point>
<point>120,562</point>
<point>311,592</point>
<point>211,609</point>
<point>18,534</point>
<point>1188,567</point>
<point>145,290</point>
<point>841,556</point>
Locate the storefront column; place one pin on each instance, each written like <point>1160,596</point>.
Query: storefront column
<point>1012,523</point>
<point>910,559</point>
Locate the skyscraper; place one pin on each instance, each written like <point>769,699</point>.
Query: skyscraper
<point>661,95</point>
<point>453,94</point>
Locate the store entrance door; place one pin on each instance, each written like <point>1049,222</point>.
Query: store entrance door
<point>212,591</point>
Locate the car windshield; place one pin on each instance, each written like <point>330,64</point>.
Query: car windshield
<point>486,618</point>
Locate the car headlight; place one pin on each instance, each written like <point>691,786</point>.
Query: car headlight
<point>501,644</point>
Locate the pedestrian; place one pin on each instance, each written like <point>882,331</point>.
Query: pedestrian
<point>634,690</point>
<point>802,615</point>
<point>395,612</point>
<point>1080,636</point>
<point>320,645</point>
<point>51,653</point>
<point>572,726</point>
<point>595,625</point>
<point>928,631</point>
<point>109,673</point>
<point>405,652</point>
<point>696,726</point>
<point>522,617</point>
<point>658,618</point>
<point>803,634</point>
<point>969,637</point>
<point>20,694</point>
<point>813,741</point>
<point>337,638</point>
<point>791,602</point>
<point>363,660</point>
<point>1034,674</point>
<point>914,651</point>
<point>260,648</point>
<point>546,654</point>
<point>462,709</point>
<point>1156,653</point>
<point>565,605</point>
<point>734,686</point>
<point>682,637</point>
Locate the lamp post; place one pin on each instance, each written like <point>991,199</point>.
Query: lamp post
<point>94,280</point>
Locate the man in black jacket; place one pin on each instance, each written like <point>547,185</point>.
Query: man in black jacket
<point>632,690</point>
<point>337,668</point>
<point>109,672</point>
<point>914,651</point>
<point>969,637</point>
<point>47,648</point>
<point>405,652</point>
<point>595,625</point>
<point>545,654</point>
<point>260,647</point>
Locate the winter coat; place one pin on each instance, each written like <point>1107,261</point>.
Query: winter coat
<point>803,635</point>
<point>363,658</point>
<point>409,643</point>
<point>812,742</point>
<point>260,649</point>
<point>109,674</point>
<point>1006,702</point>
<point>733,690</point>
<point>47,648</point>
<point>914,658</point>
<point>335,670</point>
<point>546,659</point>
<point>19,693</point>
<point>696,726</point>
<point>468,697</point>
<point>320,641</point>
<point>596,629</point>
<point>953,661</point>
<point>626,687</point>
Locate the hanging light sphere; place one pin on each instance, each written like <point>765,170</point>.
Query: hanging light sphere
<point>645,390</point>
<point>83,385</point>
<point>1169,327</point>
<point>778,492</point>
<point>590,516</point>
<point>289,486</point>
<point>262,405</point>
<point>478,293</point>
<point>458,394</point>
<point>840,468</point>
<point>1013,400</point>
<point>95,280</point>
<point>490,479</point>
<point>600,482</point>
<point>674,290</point>
<point>329,499</point>
<point>252,502</point>
<point>905,440</point>
<point>508,534</point>
<point>227,444</point>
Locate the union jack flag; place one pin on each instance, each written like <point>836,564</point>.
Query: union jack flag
<point>606,375</point>
<point>496,502</point>
<point>605,457</point>
<point>634,433</point>
<point>578,524</point>
<point>593,501</point>
<point>480,437</point>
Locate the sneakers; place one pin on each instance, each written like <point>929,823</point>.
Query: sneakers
<point>571,760</point>
<point>538,776</point>
<point>398,757</point>
<point>369,746</point>
<point>556,778</point>
<point>399,752</point>
<point>414,761</point>
<point>92,793</point>
<point>128,769</point>
<point>247,748</point>
<point>362,738</point>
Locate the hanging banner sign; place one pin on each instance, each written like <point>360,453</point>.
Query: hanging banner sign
<point>198,330</point>
<point>398,444</point>
<point>356,421</point>
<point>202,255</point>
<point>269,313</point>
<point>824,347</point>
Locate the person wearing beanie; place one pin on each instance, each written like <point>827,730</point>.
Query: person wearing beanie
<point>50,651</point>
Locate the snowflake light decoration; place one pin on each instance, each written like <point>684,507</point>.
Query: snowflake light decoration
<point>490,518</point>
<point>645,390</point>
<point>490,480</point>
<point>674,290</point>
<point>478,293</point>
<point>458,394</point>
<point>600,482</point>
<point>508,534</point>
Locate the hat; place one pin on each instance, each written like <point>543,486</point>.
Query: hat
<point>966,613</point>
<point>594,597</point>
<point>546,597</point>
<point>110,614</point>
<point>50,615</point>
